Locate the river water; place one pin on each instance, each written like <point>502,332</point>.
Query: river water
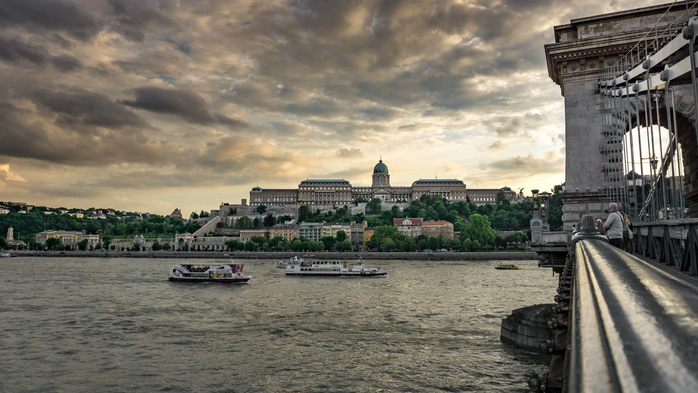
<point>118,325</point>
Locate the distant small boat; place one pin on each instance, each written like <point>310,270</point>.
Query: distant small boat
<point>288,261</point>
<point>5,255</point>
<point>227,272</point>
<point>506,266</point>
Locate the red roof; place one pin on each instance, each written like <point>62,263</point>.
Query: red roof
<point>435,223</point>
<point>399,221</point>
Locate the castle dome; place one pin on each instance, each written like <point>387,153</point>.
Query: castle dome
<point>380,167</point>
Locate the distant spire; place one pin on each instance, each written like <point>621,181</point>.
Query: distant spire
<point>381,158</point>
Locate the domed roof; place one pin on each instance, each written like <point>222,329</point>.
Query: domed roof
<point>380,167</point>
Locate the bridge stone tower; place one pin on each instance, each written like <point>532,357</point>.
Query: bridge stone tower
<point>582,49</point>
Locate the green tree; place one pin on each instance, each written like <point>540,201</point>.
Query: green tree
<point>518,237</point>
<point>303,213</point>
<point>555,219</point>
<point>251,246</point>
<point>106,239</point>
<point>261,209</point>
<point>344,245</point>
<point>82,245</point>
<point>269,220</point>
<point>193,216</point>
<point>374,206</point>
<point>501,197</point>
<point>243,222</point>
<point>479,228</point>
<point>54,243</point>
<point>467,245</point>
<point>433,243</point>
<point>387,244</point>
<point>328,242</point>
<point>234,245</point>
<point>341,236</point>
<point>476,245</point>
<point>283,219</point>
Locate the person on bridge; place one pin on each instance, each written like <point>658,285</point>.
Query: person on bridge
<point>614,226</point>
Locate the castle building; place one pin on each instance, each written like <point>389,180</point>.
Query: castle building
<point>341,192</point>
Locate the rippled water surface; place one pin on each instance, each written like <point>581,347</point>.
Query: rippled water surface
<point>115,325</point>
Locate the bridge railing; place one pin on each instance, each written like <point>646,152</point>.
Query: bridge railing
<point>623,324</point>
<point>633,326</point>
<point>672,243</point>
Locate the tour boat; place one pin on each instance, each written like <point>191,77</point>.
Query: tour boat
<point>333,269</point>
<point>228,273</point>
<point>5,255</point>
<point>288,261</point>
<point>504,266</point>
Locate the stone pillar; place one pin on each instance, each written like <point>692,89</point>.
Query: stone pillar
<point>576,205</point>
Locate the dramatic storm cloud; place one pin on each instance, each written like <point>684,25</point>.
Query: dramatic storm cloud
<point>151,105</point>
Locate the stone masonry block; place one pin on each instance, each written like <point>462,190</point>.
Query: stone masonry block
<point>577,207</point>
<point>571,217</point>
<point>597,207</point>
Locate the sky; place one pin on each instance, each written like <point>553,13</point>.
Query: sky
<point>148,106</point>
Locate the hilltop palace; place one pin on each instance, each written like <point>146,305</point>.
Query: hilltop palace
<point>341,192</point>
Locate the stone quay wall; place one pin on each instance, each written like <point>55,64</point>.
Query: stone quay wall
<point>435,256</point>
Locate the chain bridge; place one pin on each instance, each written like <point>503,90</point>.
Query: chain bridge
<point>626,320</point>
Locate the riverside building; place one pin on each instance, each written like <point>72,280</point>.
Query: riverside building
<point>341,192</point>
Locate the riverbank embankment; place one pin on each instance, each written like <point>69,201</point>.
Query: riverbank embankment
<point>436,256</point>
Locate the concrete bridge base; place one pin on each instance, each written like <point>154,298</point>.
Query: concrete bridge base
<point>527,327</point>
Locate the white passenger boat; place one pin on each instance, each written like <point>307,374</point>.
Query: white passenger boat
<point>334,269</point>
<point>228,273</point>
<point>288,261</point>
<point>5,255</point>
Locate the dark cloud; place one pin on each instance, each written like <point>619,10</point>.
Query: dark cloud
<point>66,63</point>
<point>531,164</point>
<point>14,51</point>
<point>81,107</point>
<point>135,18</point>
<point>512,128</point>
<point>349,153</point>
<point>497,146</point>
<point>291,129</point>
<point>182,46</point>
<point>50,15</point>
<point>186,104</point>
<point>249,161</point>
<point>380,113</point>
<point>78,128</point>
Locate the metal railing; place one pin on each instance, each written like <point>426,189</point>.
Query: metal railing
<point>623,324</point>
<point>640,89</point>
<point>631,325</point>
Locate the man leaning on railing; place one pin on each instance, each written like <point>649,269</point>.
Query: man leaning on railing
<point>614,226</point>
